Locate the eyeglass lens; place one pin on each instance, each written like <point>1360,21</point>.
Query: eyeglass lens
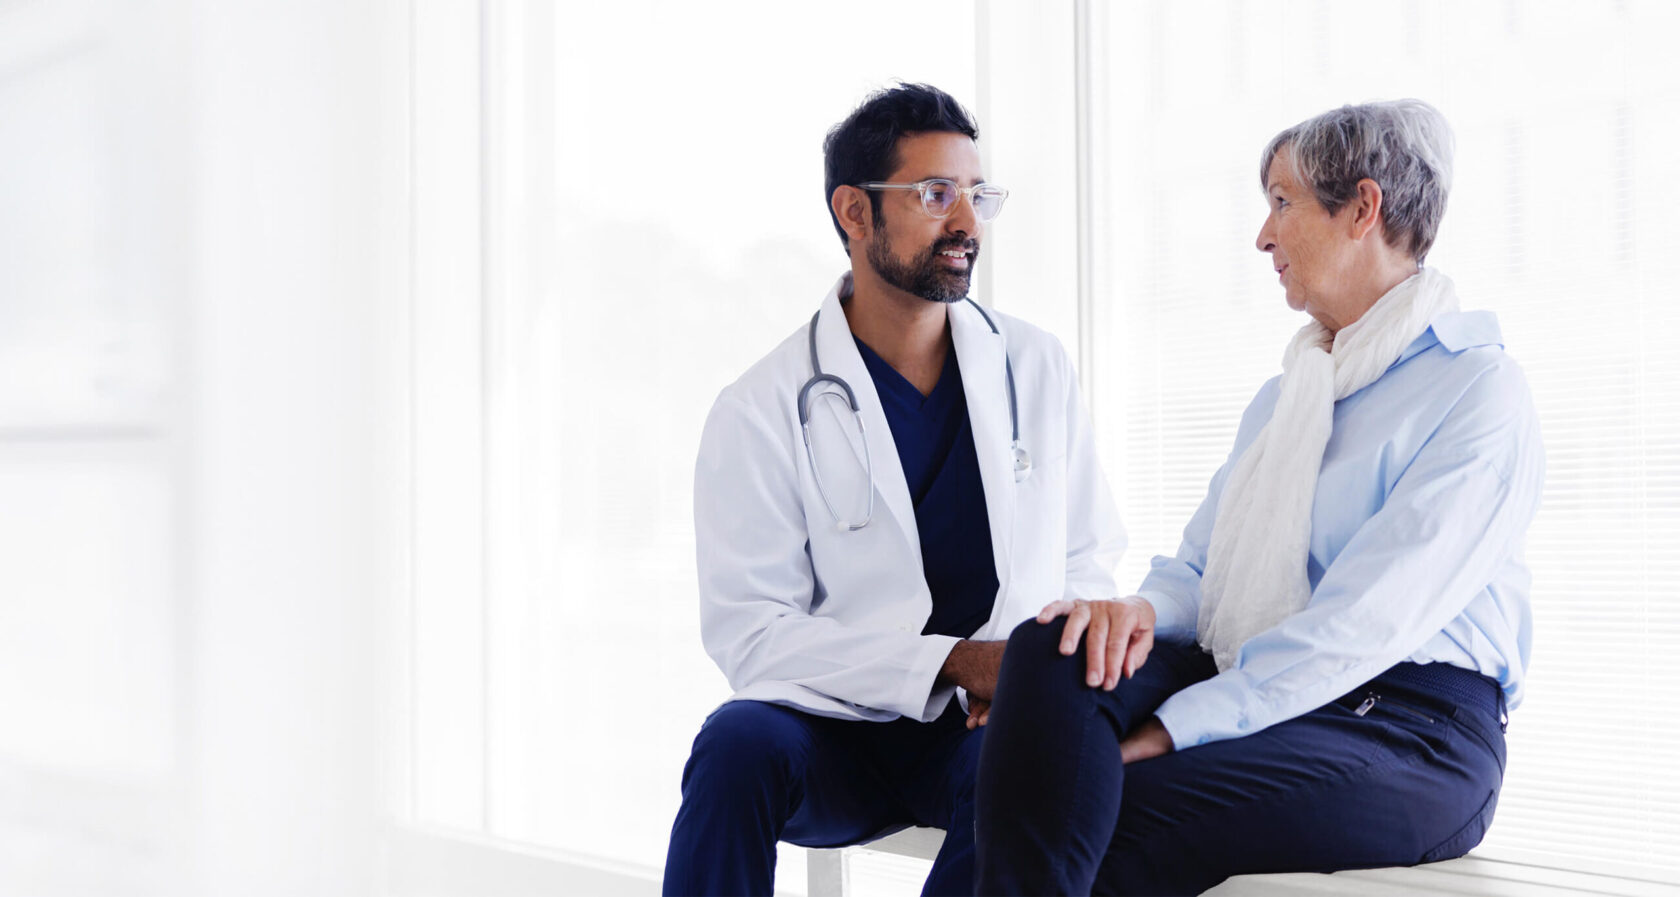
<point>940,197</point>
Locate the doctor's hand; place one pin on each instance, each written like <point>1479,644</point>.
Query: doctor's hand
<point>974,666</point>
<point>1118,635</point>
<point>979,710</point>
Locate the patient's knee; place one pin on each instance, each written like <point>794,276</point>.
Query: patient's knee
<point>1035,653</point>
<point>1033,637</point>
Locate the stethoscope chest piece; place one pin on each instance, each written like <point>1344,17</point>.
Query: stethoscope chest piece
<point>1023,462</point>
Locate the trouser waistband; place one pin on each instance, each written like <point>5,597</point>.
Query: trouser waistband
<point>1442,683</point>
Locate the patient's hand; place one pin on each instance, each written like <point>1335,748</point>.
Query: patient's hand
<point>979,710</point>
<point>1118,635</point>
<point>1150,740</point>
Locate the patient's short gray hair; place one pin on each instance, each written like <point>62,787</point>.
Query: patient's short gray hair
<point>1406,146</point>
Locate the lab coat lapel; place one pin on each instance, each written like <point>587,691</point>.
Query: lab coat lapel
<point>839,355</point>
<point>981,353</point>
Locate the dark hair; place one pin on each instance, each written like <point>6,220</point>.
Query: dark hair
<point>864,147</point>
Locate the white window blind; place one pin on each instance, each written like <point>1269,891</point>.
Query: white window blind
<point>1561,221</point>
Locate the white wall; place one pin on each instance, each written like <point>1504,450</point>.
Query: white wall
<point>288,347</point>
<point>196,387</point>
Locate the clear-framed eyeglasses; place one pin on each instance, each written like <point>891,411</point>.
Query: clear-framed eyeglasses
<point>940,196</point>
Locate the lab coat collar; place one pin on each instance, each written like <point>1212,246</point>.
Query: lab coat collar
<point>980,355</point>
<point>839,356</point>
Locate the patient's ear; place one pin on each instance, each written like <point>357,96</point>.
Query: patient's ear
<point>1367,208</point>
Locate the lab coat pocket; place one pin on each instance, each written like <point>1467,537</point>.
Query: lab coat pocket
<point>1039,556</point>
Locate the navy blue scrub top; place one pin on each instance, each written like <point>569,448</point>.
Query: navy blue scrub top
<point>936,448</point>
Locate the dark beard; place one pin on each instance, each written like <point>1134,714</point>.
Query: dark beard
<point>924,277</point>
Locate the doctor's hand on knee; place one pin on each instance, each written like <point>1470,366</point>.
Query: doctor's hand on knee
<point>979,710</point>
<point>1118,635</point>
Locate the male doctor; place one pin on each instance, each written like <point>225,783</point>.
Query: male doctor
<point>877,503</point>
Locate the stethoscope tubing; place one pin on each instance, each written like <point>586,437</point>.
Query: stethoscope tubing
<point>1021,460</point>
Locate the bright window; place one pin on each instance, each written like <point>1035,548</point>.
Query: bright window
<point>652,178</point>
<point>618,210</point>
<point>1560,221</point>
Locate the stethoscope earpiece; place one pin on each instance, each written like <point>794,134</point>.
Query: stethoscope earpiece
<point>1023,463</point>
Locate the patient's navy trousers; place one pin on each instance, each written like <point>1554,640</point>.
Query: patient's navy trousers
<point>761,773</point>
<point>1405,769</point>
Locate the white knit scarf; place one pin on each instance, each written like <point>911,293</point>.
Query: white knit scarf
<point>1257,559</point>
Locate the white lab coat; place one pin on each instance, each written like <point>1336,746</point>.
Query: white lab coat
<point>796,611</point>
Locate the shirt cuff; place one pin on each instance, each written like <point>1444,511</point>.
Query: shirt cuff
<point>1175,617</point>
<point>1211,710</point>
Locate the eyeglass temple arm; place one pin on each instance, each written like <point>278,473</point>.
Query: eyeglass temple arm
<point>883,185</point>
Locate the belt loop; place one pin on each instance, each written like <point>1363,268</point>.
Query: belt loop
<point>1504,718</point>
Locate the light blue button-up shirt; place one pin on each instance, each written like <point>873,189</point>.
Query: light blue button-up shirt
<point>1429,481</point>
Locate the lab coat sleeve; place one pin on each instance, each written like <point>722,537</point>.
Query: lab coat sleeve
<point>1095,537</point>
<point>1457,512</point>
<point>757,585</point>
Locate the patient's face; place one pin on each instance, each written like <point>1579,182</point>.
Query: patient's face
<point>1312,250</point>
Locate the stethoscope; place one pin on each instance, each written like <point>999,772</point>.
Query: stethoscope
<point>1023,461</point>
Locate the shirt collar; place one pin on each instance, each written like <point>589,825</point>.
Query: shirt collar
<point>1456,331</point>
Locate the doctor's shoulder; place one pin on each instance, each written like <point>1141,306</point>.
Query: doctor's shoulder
<point>767,391</point>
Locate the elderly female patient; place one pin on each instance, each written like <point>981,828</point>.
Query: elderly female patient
<point>1318,680</point>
